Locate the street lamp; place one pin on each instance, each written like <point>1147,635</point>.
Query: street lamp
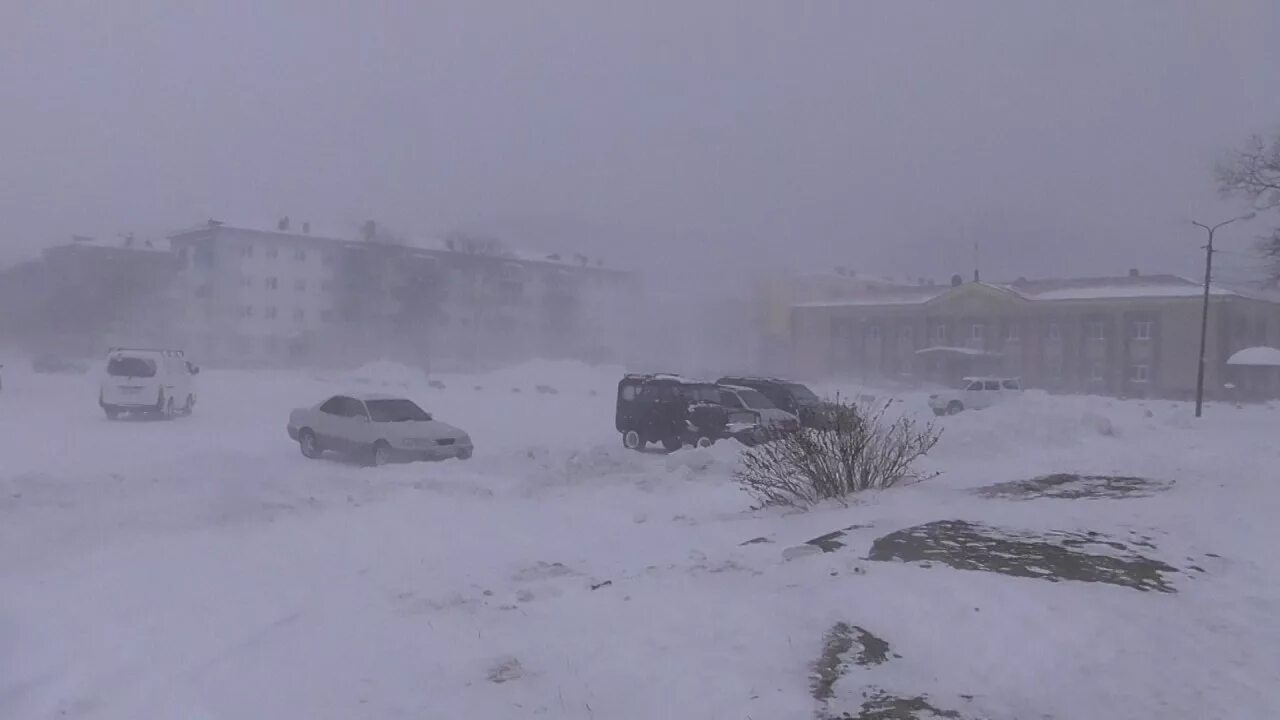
<point>1204,312</point>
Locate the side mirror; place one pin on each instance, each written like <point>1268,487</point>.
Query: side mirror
<point>430,417</point>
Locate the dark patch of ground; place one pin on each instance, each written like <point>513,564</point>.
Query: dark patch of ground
<point>883,706</point>
<point>1052,555</point>
<point>756,541</point>
<point>1067,486</point>
<point>846,647</point>
<point>834,540</point>
<point>843,645</point>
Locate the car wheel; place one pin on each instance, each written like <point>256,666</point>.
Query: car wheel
<point>672,444</point>
<point>631,440</point>
<point>309,445</point>
<point>190,406</point>
<point>380,454</point>
<point>112,412</point>
<point>955,407</point>
<point>169,408</point>
<point>705,442</point>
<point>464,455</point>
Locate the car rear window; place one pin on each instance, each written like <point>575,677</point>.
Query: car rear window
<point>131,367</point>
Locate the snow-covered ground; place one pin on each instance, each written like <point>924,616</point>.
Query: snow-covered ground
<point>203,569</point>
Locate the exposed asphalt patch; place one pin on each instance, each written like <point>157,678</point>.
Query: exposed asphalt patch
<point>1051,555</point>
<point>883,706</point>
<point>1068,486</point>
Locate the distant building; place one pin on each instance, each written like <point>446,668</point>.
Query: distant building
<point>777,294</point>
<point>255,296</point>
<point>84,295</point>
<point>1128,336</point>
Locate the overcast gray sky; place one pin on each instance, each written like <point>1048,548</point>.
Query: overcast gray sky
<point>1071,136</point>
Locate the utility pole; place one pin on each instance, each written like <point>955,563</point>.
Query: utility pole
<point>1204,311</point>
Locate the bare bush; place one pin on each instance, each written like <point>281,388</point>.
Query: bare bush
<point>856,448</point>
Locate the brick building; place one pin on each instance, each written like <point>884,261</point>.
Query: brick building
<point>1127,336</point>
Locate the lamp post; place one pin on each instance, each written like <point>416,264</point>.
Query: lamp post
<point>1204,311</point>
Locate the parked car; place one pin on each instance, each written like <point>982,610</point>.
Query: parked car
<point>377,429</point>
<point>788,396</point>
<point>974,393</point>
<point>147,380</point>
<point>675,411</point>
<point>772,419</point>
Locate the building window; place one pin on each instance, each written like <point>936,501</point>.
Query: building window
<point>246,282</point>
<point>1011,332</point>
<point>326,315</point>
<point>1053,332</point>
<point>1140,373</point>
<point>873,333</point>
<point>1097,371</point>
<point>202,257</point>
<point>246,251</point>
<point>246,311</point>
<point>940,334</point>
<point>977,332</point>
<point>299,315</point>
<point>326,286</point>
<point>300,285</point>
<point>1142,330</point>
<point>905,333</point>
<point>270,313</point>
<point>1096,330</point>
<point>300,255</point>
<point>1053,367</point>
<point>327,259</point>
<point>204,291</point>
<point>271,283</point>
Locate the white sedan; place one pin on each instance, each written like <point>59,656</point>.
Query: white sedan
<point>377,429</point>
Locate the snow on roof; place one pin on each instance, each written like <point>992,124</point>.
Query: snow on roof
<point>366,396</point>
<point>972,352</point>
<point>1105,288</point>
<point>1155,286</point>
<point>1261,356</point>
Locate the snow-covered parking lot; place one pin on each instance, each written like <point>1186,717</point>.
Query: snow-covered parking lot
<point>203,569</point>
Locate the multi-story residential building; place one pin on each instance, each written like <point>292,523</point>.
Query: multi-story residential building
<point>81,296</point>
<point>1129,336</point>
<point>256,296</point>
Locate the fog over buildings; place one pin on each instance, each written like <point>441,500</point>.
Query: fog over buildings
<point>698,139</point>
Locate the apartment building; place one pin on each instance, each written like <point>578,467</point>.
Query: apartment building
<point>259,296</point>
<point>1128,336</point>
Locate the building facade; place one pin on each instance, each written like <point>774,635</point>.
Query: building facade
<point>255,296</point>
<point>1132,336</point>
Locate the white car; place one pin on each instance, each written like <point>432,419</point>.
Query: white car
<point>147,380</point>
<point>974,393</point>
<point>772,419</point>
<point>377,429</point>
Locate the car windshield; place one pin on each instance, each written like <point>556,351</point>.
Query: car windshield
<point>754,400</point>
<point>124,366</point>
<point>398,410</point>
<point>701,393</point>
<point>802,394</point>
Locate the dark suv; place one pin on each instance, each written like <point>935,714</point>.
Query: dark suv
<point>787,395</point>
<point>674,411</point>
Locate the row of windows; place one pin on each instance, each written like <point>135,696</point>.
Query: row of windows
<point>273,283</point>
<point>273,252</point>
<point>271,313</point>
<point>1139,330</point>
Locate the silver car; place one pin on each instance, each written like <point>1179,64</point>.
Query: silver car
<point>377,429</point>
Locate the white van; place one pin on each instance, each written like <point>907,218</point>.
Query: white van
<point>144,380</point>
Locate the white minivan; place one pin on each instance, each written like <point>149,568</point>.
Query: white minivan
<point>147,380</point>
